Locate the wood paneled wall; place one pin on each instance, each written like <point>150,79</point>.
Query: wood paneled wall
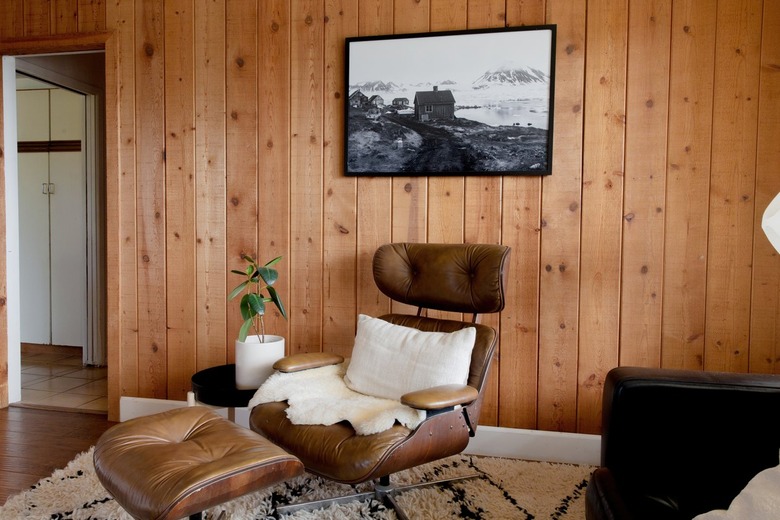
<point>643,247</point>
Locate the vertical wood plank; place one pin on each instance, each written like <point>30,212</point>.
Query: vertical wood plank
<point>732,185</point>
<point>91,15</point>
<point>561,225</point>
<point>113,316</point>
<point>483,212</point>
<point>241,157</point>
<point>37,18</point>
<point>374,194</point>
<point>274,149</point>
<point>210,182</point>
<point>764,324</point>
<point>446,194</point>
<point>602,203</point>
<point>410,194</point>
<point>525,12</point>
<point>339,208</point>
<point>64,16</point>
<point>647,105</point>
<point>123,226</point>
<point>180,194</point>
<point>306,120</point>
<point>150,202</point>
<point>518,216</point>
<point>687,178</point>
<point>12,19</point>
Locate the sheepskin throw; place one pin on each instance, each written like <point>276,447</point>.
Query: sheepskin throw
<point>320,396</point>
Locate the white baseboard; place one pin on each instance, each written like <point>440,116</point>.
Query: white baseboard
<point>132,407</point>
<point>491,441</point>
<point>571,448</point>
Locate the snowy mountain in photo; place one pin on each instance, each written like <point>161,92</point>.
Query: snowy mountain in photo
<point>374,86</point>
<point>503,95</point>
<point>516,76</point>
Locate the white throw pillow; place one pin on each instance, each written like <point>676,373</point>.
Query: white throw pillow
<point>391,360</point>
<point>760,500</point>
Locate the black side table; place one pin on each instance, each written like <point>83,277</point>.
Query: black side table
<point>216,386</point>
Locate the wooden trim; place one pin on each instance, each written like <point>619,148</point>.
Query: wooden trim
<point>48,146</point>
<point>61,42</point>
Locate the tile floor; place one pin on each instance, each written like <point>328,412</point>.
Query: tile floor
<point>57,379</point>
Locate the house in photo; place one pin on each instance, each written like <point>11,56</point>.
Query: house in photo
<point>357,99</point>
<point>434,104</point>
<point>376,101</point>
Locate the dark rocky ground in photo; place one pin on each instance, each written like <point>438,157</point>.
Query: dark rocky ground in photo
<point>395,143</point>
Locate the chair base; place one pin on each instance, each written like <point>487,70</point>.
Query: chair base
<point>383,492</point>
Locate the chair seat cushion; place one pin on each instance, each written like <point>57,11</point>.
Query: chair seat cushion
<point>183,461</point>
<point>390,360</point>
<point>336,452</point>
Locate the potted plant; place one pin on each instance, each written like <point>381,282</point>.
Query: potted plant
<point>256,354</point>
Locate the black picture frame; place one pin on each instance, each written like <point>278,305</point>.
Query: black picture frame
<point>477,102</point>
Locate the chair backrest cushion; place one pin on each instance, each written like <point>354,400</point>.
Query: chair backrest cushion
<point>465,278</point>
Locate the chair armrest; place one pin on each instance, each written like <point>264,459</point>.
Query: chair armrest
<point>438,397</point>
<point>306,361</point>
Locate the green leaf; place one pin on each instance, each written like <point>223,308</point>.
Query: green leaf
<point>235,292</point>
<point>244,331</point>
<point>256,304</point>
<point>236,271</point>
<point>248,259</point>
<point>278,301</point>
<point>274,261</point>
<point>246,309</point>
<point>268,275</point>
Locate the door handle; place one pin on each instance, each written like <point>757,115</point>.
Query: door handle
<point>47,188</point>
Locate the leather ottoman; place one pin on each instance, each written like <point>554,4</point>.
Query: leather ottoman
<point>178,463</point>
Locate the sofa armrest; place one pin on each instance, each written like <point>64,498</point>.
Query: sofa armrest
<point>603,500</point>
<point>693,438</point>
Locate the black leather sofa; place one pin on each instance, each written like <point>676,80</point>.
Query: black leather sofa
<point>679,443</point>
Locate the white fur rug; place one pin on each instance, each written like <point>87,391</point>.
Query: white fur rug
<point>507,489</point>
<point>320,396</point>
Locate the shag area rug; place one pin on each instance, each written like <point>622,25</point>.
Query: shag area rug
<point>505,489</point>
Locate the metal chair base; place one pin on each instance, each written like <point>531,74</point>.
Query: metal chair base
<point>383,492</point>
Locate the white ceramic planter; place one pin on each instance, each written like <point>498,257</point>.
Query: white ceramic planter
<point>255,360</point>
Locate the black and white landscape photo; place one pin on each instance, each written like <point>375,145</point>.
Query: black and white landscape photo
<point>458,103</point>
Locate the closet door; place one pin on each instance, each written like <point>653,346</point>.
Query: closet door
<point>34,219</point>
<point>52,218</point>
<point>68,222</point>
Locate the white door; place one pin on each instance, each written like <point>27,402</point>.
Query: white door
<point>34,248</point>
<point>52,223</point>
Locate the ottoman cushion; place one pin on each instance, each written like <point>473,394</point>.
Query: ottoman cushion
<point>178,463</point>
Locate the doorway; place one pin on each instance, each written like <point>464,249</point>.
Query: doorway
<point>61,82</point>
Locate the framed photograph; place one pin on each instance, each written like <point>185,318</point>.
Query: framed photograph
<point>450,103</point>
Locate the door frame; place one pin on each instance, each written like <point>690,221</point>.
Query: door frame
<point>94,352</point>
<point>10,381</point>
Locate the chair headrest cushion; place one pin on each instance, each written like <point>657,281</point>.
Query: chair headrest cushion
<point>465,278</point>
